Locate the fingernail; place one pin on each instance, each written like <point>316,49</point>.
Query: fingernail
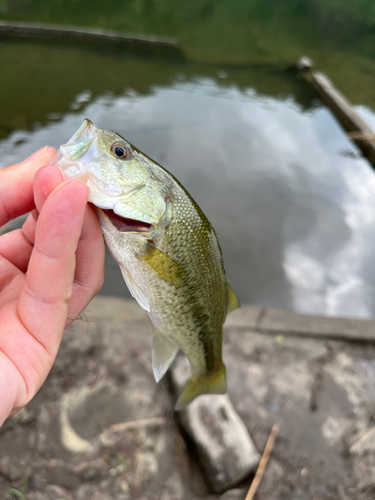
<point>36,154</point>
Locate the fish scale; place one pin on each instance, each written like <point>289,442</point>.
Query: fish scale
<point>166,248</point>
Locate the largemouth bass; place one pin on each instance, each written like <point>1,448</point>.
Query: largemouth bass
<point>167,251</point>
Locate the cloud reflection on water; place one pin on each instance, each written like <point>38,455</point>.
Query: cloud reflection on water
<point>295,217</point>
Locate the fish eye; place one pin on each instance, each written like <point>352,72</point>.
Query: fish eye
<point>120,151</point>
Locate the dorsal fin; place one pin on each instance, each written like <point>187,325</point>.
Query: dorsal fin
<point>233,302</point>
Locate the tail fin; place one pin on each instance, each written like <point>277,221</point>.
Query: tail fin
<point>207,383</point>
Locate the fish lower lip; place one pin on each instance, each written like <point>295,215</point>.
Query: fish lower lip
<point>127,225</point>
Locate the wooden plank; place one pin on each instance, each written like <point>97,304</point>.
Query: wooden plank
<point>358,130</point>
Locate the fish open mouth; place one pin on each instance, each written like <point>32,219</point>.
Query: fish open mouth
<point>127,225</point>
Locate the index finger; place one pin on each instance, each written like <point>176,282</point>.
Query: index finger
<point>43,303</point>
<point>16,185</point>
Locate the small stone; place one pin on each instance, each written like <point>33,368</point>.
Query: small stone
<point>25,416</point>
<point>123,496</point>
<point>85,492</point>
<point>305,64</point>
<point>173,488</point>
<point>10,471</point>
<point>55,492</point>
<point>236,494</point>
<point>99,495</point>
<point>34,495</point>
<point>36,482</point>
<point>88,471</point>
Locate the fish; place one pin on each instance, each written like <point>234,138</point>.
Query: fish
<point>167,250</point>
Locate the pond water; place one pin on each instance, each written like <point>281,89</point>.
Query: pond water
<point>292,201</point>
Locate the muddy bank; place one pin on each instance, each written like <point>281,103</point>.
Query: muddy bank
<point>101,427</point>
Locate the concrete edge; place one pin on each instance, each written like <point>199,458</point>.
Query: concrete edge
<point>276,322</point>
<point>251,318</point>
<point>20,29</point>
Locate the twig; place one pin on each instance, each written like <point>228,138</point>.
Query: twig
<point>147,422</point>
<point>263,462</point>
<point>364,494</point>
<point>366,438</point>
<point>359,464</point>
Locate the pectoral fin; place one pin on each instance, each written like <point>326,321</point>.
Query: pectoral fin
<point>163,353</point>
<point>135,290</point>
<point>233,302</point>
<point>165,267</point>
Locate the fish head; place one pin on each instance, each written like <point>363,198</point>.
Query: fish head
<point>124,184</point>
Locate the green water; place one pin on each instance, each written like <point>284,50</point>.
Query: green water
<point>338,34</point>
<point>42,78</point>
<point>291,200</point>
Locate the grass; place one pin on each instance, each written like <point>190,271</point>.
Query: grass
<point>24,486</point>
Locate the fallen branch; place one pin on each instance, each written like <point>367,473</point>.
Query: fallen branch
<point>263,462</point>
<point>146,422</point>
<point>368,437</point>
<point>360,136</point>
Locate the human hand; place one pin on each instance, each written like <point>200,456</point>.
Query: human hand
<point>49,271</point>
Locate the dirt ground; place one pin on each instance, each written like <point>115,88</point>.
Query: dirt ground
<point>101,428</point>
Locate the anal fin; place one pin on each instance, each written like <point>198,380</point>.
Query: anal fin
<point>163,353</point>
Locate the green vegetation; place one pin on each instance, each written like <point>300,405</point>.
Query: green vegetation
<point>338,35</point>
<point>221,30</point>
<point>17,493</point>
<point>121,465</point>
<point>361,12</point>
<point>21,494</point>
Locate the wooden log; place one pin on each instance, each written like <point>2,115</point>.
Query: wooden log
<point>358,130</point>
<point>36,30</point>
<point>223,444</point>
